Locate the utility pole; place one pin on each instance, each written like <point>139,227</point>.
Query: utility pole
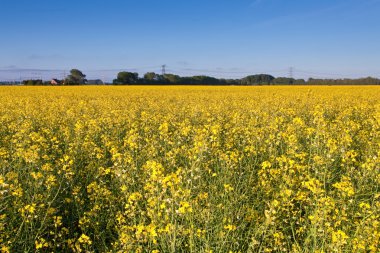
<point>163,70</point>
<point>291,72</point>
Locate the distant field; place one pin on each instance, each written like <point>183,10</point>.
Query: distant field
<point>190,169</point>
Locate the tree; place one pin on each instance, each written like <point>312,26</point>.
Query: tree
<point>201,80</point>
<point>262,79</point>
<point>33,82</point>
<point>172,79</point>
<point>75,77</point>
<point>151,76</point>
<point>125,77</point>
<point>299,81</point>
<point>284,80</point>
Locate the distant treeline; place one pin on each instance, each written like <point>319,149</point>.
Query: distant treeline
<point>76,77</point>
<point>125,78</point>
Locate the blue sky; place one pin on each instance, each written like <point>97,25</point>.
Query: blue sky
<point>223,38</point>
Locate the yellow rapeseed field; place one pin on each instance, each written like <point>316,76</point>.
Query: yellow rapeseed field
<point>190,169</point>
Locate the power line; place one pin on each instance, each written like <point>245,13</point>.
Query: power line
<point>34,73</point>
<point>122,69</point>
<point>228,71</point>
<point>320,74</point>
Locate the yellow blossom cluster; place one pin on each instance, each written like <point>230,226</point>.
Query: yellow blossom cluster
<point>190,169</point>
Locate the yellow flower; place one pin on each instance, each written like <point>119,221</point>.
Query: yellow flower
<point>339,237</point>
<point>345,186</point>
<point>39,244</point>
<point>185,207</point>
<point>228,188</point>
<point>84,239</point>
<point>5,249</point>
<point>230,227</point>
<point>57,221</point>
